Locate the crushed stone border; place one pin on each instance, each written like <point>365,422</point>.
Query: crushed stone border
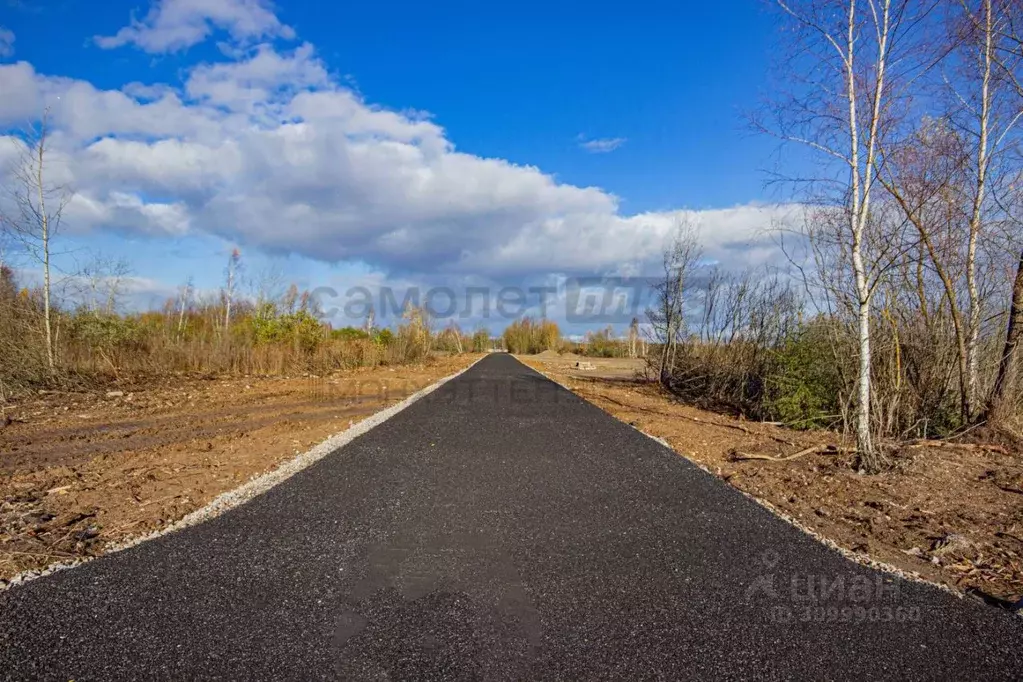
<point>252,488</point>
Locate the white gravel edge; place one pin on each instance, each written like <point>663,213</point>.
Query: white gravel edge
<point>855,557</point>
<point>251,488</point>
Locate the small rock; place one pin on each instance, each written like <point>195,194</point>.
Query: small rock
<point>115,394</point>
<point>914,551</point>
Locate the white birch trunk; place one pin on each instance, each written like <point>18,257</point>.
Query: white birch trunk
<point>973,332</point>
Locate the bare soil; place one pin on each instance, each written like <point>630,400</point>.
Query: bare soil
<point>79,471</point>
<point>951,513</point>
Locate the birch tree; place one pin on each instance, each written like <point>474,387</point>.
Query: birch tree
<point>33,211</point>
<point>1008,57</point>
<point>988,114</point>
<point>230,282</point>
<point>852,60</point>
<point>185,293</point>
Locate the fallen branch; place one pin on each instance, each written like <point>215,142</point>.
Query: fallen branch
<point>827,450</point>
<point>929,443</point>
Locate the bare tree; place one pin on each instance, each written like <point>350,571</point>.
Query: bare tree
<point>268,284</point>
<point>988,113</point>
<point>926,177</point>
<point>290,299</point>
<point>101,283</point>
<point>36,209</point>
<point>1008,58</point>
<point>634,337</point>
<point>668,320</point>
<point>185,293</point>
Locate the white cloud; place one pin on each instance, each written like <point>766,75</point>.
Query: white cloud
<point>6,42</point>
<point>172,25</point>
<point>270,151</point>
<point>601,145</point>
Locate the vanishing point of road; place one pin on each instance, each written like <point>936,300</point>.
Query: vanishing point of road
<point>499,528</point>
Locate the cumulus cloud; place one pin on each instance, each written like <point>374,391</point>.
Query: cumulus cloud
<point>269,150</point>
<point>601,145</point>
<point>6,42</point>
<point>172,25</point>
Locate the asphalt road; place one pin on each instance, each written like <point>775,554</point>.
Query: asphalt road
<point>500,528</point>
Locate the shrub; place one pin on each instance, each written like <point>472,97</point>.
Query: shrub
<point>413,341</point>
<point>603,344</point>
<point>383,337</point>
<point>803,385</point>
<point>349,334</point>
<point>105,330</point>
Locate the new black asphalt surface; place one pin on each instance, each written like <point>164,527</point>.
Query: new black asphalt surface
<point>500,528</point>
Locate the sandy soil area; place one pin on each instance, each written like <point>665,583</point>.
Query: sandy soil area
<point>79,471</point>
<point>952,514</point>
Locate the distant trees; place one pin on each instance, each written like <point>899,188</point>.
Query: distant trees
<point>481,340</point>
<point>100,283</point>
<point>531,336</point>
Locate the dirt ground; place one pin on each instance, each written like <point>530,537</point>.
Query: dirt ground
<point>952,514</point>
<point>79,471</point>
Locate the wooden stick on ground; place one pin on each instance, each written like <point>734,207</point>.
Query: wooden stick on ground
<point>928,443</point>
<point>826,450</point>
<point>744,456</point>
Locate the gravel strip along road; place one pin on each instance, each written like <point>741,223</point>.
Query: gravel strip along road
<point>499,528</point>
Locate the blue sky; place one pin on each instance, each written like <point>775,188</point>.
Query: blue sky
<point>453,144</point>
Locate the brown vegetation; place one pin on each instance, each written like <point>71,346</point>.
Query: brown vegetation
<point>97,345</point>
